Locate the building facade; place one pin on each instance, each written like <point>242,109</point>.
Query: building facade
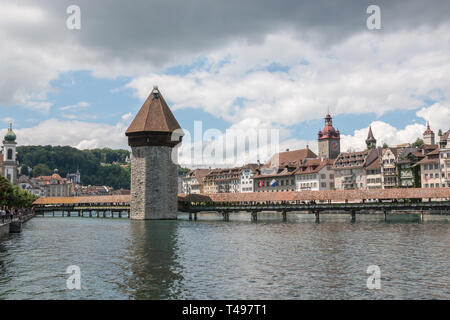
<point>444,158</point>
<point>315,174</point>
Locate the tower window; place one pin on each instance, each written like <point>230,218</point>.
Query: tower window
<point>10,154</point>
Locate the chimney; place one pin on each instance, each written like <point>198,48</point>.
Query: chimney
<point>287,150</point>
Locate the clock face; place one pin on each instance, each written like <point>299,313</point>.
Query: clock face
<point>334,145</point>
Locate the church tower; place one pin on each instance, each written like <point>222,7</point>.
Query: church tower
<point>9,167</point>
<point>371,142</point>
<point>329,140</point>
<point>152,136</point>
<point>428,135</point>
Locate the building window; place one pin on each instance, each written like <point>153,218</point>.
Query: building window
<point>10,154</point>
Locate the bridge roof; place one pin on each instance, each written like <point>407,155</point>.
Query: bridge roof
<point>334,195</point>
<point>83,200</point>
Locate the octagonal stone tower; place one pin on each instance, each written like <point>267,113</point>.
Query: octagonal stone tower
<point>152,136</point>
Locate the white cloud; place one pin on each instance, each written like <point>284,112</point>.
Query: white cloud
<point>364,74</point>
<point>79,134</point>
<point>438,115</point>
<point>81,104</point>
<point>383,133</point>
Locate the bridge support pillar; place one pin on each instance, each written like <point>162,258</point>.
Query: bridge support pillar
<point>120,214</point>
<point>190,216</point>
<point>254,216</point>
<point>195,216</point>
<point>90,214</point>
<point>68,213</point>
<point>53,213</point>
<point>421,215</point>
<point>284,213</point>
<point>226,216</point>
<point>353,215</point>
<point>317,215</point>
<point>385,214</point>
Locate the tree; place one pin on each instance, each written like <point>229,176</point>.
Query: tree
<point>418,143</point>
<point>41,169</point>
<point>14,197</point>
<point>24,171</point>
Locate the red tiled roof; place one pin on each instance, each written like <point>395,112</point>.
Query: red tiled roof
<point>290,157</point>
<point>335,195</point>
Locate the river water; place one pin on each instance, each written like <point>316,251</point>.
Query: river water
<point>210,259</point>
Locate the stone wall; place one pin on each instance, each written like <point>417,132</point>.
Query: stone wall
<point>4,229</point>
<point>153,183</point>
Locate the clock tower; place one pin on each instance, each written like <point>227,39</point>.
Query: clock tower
<point>329,140</point>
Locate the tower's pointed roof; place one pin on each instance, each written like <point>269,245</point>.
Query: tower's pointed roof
<point>428,131</point>
<point>370,137</point>
<point>154,116</point>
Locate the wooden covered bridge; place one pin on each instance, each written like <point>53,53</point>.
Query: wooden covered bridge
<point>411,200</point>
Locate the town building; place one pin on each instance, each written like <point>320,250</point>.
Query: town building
<point>279,172</point>
<point>246,183</point>
<point>444,158</point>
<point>74,177</point>
<point>408,175</point>
<point>54,186</point>
<point>8,158</point>
<point>430,172</point>
<point>389,167</point>
<point>373,172</point>
<point>329,140</point>
<point>315,174</point>
<point>371,142</point>
<point>28,184</point>
<point>193,181</point>
<point>428,135</point>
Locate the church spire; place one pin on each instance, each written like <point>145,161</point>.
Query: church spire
<point>371,141</point>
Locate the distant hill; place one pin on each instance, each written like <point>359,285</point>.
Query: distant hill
<point>45,159</point>
<point>97,166</point>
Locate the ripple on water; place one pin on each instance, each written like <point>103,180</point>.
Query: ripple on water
<point>122,259</point>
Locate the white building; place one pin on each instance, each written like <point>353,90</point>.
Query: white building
<point>315,174</point>
<point>246,178</point>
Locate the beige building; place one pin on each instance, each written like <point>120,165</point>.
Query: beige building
<point>54,186</point>
<point>430,172</point>
<point>194,181</point>
<point>279,172</point>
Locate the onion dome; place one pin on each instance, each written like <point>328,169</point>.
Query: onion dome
<point>328,130</point>
<point>10,135</point>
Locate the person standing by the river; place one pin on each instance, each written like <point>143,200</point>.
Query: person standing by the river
<point>3,215</point>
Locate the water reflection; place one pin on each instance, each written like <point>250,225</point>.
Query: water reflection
<point>153,269</point>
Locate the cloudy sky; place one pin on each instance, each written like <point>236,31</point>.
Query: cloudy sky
<point>231,64</point>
